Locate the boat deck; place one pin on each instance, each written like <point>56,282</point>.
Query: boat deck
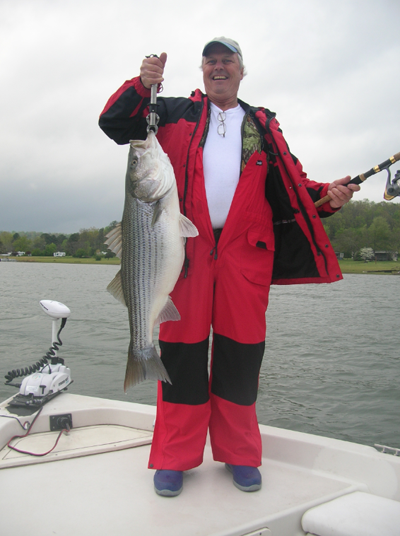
<point>98,482</point>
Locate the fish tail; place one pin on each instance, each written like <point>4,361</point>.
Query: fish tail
<point>143,365</point>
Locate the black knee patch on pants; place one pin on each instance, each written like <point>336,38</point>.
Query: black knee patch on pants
<point>236,369</point>
<point>186,365</point>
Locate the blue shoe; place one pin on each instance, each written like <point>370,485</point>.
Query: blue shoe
<point>245,478</point>
<point>168,483</point>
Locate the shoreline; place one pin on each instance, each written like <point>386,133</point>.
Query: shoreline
<point>348,266</point>
<point>62,260</point>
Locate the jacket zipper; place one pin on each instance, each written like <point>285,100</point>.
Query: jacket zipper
<point>242,136</point>
<point>186,261</point>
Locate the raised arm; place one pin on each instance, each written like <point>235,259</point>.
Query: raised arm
<point>124,115</point>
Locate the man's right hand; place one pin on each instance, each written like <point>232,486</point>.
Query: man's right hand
<point>152,70</point>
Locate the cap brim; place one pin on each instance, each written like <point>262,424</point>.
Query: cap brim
<point>227,45</point>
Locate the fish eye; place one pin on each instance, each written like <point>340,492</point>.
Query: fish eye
<point>134,161</point>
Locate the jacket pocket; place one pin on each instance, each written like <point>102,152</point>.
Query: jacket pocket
<point>258,255</point>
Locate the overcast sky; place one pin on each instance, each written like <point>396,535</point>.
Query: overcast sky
<point>330,69</point>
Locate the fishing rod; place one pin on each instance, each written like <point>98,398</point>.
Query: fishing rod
<point>392,188</point>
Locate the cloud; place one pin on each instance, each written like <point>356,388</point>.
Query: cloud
<point>329,70</point>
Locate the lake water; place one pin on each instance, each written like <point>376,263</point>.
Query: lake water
<point>331,365</point>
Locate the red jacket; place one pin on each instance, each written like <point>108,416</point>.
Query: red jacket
<point>303,253</point>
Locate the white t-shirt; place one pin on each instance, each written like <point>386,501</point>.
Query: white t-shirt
<point>221,162</point>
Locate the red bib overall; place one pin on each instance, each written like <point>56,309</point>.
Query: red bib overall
<point>227,290</point>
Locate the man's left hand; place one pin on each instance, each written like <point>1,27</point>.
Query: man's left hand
<point>341,194</point>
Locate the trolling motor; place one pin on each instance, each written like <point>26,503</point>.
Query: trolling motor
<point>49,376</point>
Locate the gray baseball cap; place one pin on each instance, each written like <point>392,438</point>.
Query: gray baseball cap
<point>229,43</point>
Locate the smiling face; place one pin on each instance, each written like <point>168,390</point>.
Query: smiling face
<point>222,75</point>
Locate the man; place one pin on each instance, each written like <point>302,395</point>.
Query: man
<point>254,208</point>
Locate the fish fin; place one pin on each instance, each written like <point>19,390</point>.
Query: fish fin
<point>114,240</point>
<point>115,288</point>
<point>187,228</point>
<point>157,213</point>
<point>169,312</point>
<point>143,365</point>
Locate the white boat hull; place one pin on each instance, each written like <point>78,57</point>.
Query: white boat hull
<point>98,481</point>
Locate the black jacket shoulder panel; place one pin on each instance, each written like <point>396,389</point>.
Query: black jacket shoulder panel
<point>172,109</point>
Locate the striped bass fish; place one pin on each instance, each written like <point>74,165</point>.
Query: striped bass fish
<point>150,243</point>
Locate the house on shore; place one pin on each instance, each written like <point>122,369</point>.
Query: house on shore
<point>386,255</point>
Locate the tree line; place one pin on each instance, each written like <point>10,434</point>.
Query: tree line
<point>364,224</point>
<point>358,225</point>
<point>86,243</point>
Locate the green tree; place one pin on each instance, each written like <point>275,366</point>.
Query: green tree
<point>50,249</point>
<point>88,239</point>
<point>38,244</point>
<point>60,239</point>
<point>100,240</point>
<point>379,234</point>
<point>22,244</point>
<point>334,225</point>
<point>395,238</point>
<point>81,253</point>
<point>48,238</point>
<point>7,240</point>
<point>348,241</point>
<point>72,244</point>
